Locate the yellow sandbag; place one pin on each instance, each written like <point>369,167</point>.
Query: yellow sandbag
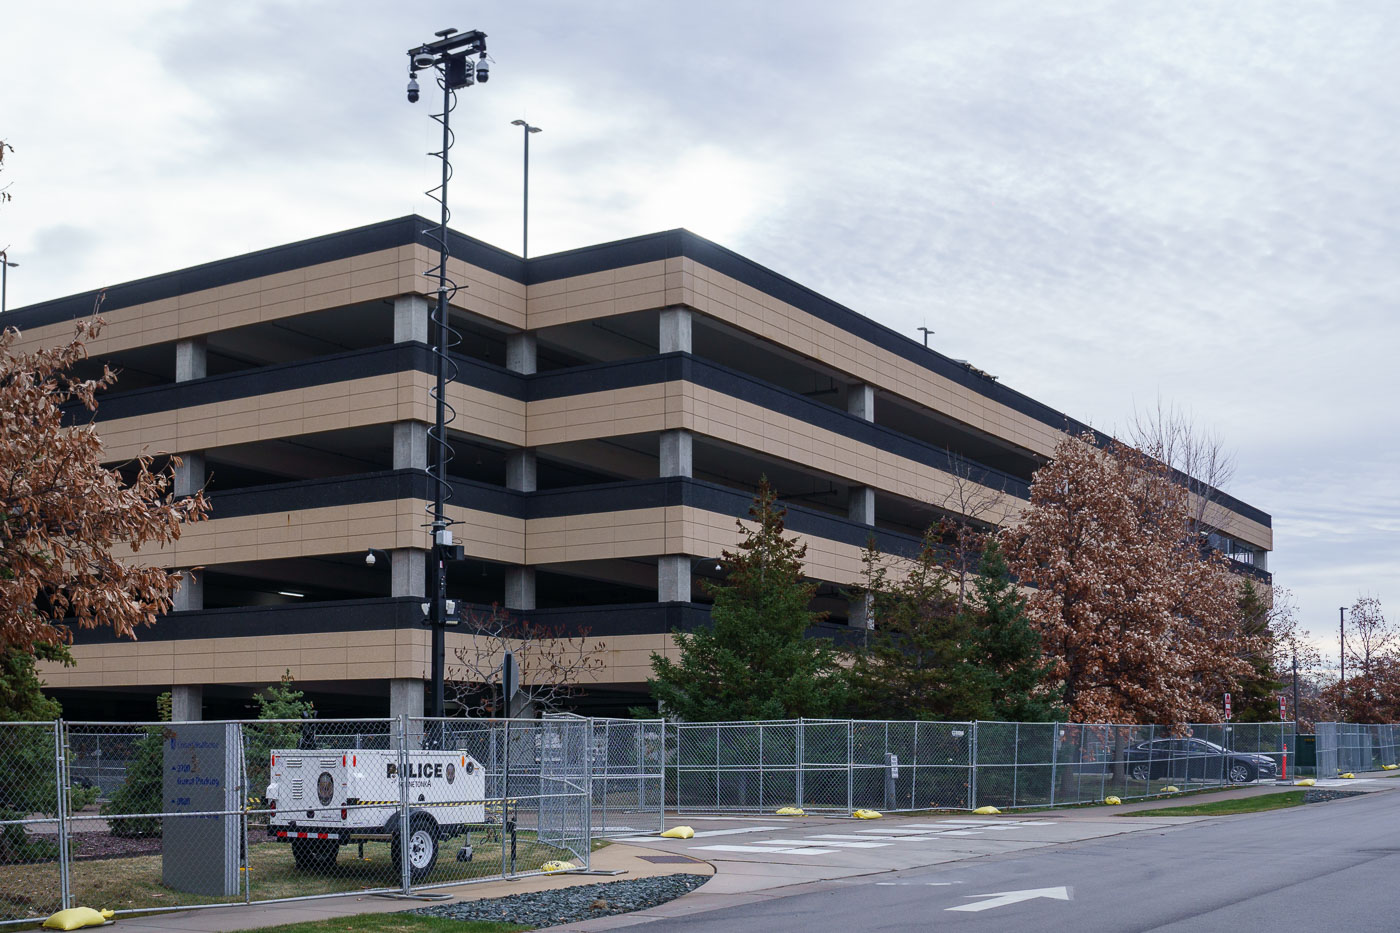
<point>678,832</point>
<point>557,866</point>
<point>77,917</point>
<point>867,814</point>
<point>986,811</point>
<point>1171,789</point>
<point>1305,782</point>
<point>791,811</point>
<point>1389,767</point>
<point>1112,801</point>
<point>1347,776</point>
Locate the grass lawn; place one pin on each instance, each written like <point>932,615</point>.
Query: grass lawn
<point>394,923</point>
<point>135,882</point>
<point>1291,798</point>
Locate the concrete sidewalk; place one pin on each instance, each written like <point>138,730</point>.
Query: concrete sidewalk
<point>629,859</point>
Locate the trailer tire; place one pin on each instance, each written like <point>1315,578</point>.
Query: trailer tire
<point>315,855</point>
<point>422,847</point>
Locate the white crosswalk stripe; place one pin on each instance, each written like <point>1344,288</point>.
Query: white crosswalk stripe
<point>863,844</point>
<point>761,849</point>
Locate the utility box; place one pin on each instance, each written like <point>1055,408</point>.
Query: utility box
<point>1305,752</point>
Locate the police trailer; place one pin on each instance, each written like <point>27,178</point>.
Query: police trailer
<point>322,799</point>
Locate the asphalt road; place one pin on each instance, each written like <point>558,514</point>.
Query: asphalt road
<point>1328,866</point>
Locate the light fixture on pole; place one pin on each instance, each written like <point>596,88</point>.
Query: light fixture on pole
<point>5,267</point>
<point>458,60</point>
<point>528,130</point>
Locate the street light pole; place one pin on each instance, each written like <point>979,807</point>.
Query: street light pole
<point>450,60</point>
<point>1342,629</point>
<point>5,267</point>
<point>1295,683</point>
<point>528,131</point>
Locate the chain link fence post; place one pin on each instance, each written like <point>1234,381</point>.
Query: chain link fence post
<point>850,765</point>
<point>405,876</point>
<point>972,763</point>
<point>65,884</point>
<point>588,792</point>
<point>800,758</point>
<point>245,797</point>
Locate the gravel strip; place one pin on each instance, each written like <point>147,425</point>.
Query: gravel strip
<point>566,905</point>
<point>1318,795</point>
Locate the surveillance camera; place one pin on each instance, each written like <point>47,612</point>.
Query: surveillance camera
<point>413,90</point>
<point>483,71</point>
<point>423,59</point>
<point>369,559</point>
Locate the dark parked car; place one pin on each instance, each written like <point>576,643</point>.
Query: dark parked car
<point>1196,760</point>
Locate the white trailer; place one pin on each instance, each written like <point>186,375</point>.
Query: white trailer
<point>322,799</point>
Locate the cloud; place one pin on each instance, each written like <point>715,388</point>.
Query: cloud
<point>1100,202</point>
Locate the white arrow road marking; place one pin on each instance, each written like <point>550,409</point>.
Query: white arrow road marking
<point>1012,897</point>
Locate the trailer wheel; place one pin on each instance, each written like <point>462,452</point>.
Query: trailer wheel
<point>422,847</point>
<point>314,855</point>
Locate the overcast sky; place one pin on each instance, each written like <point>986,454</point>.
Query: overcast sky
<point>1102,203</point>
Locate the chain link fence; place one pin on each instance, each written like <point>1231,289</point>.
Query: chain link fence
<point>1349,747</point>
<point>844,765</point>
<point>164,816</point>
<point>141,817</point>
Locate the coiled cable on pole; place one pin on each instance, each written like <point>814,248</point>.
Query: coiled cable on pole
<point>439,320</point>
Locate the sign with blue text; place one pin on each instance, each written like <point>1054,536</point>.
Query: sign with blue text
<point>200,850</point>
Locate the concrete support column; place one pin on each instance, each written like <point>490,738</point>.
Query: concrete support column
<point>410,445</point>
<point>860,401</point>
<point>677,453</point>
<point>861,506</point>
<point>673,578</point>
<point>191,359</point>
<point>520,588</point>
<point>674,335</point>
<point>410,319</point>
<point>521,350</point>
<point>190,474</point>
<point>190,595</point>
<point>520,353</point>
<point>406,695</point>
<point>408,571</point>
<point>187,703</point>
<point>520,470</point>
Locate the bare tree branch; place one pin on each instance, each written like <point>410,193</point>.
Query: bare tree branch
<point>552,666</point>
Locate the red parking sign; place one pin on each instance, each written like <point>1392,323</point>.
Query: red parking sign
<point>1227,707</point>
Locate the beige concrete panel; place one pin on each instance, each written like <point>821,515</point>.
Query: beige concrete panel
<point>338,656</point>
<point>270,297</point>
<point>372,400</point>
<point>720,296</point>
<point>484,414</point>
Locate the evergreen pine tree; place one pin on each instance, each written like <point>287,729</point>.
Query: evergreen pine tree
<point>280,701</point>
<point>1002,654</point>
<point>754,659</point>
<point>1258,695</point>
<point>911,666</point>
<point>143,786</point>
